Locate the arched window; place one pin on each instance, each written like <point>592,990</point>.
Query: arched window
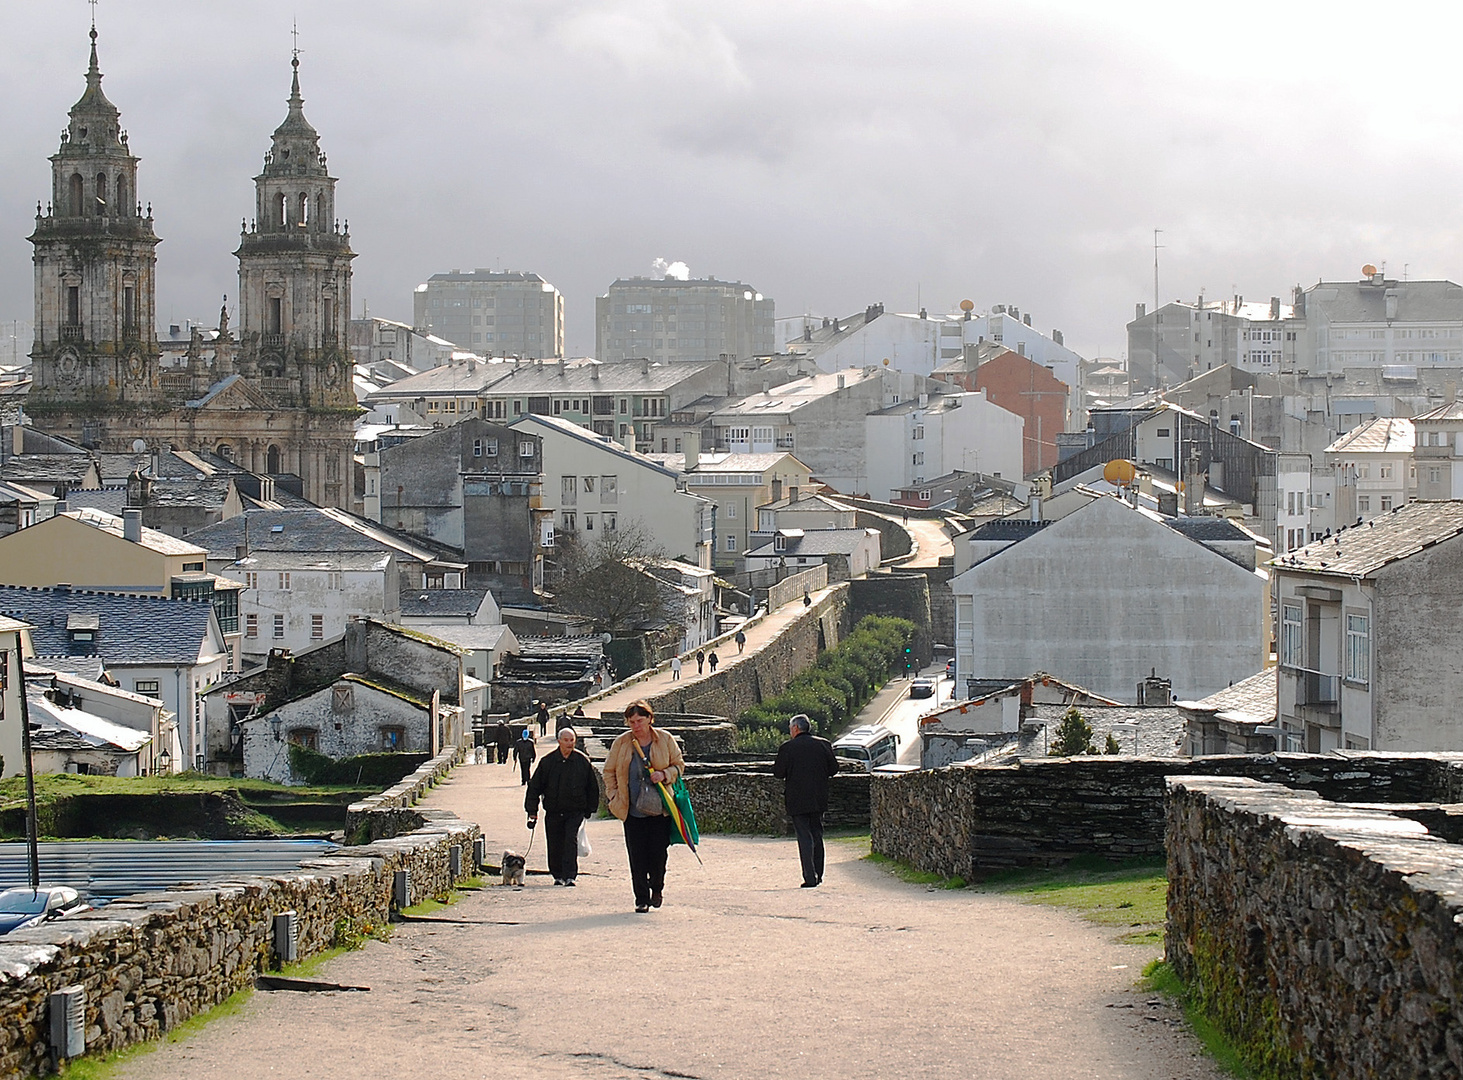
<point>281,210</point>
<point>123,208</point>
<point>303,217</point>
<point>101,194</point>
<point>78,195</point>
<point>225,451</point>
<point>272,460</point>
<point>320,223</point>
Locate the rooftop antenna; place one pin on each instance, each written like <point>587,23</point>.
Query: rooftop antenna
<point>93,4</point>
<point>1156,246</point>
<point>294,33</point>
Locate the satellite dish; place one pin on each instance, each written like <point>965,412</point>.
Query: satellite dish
<point>139,445</point>
<point>886,361</point>
<point>967,305</point>
<point>1119,471</point>
<point>1368,270</point>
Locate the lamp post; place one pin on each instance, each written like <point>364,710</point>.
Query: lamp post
<point>32,844</point>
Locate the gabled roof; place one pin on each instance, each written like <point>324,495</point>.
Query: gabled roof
<point>1380,435</point>
<point>1361,550</point>
<point>1453,410</point>
<point>152,539</point>
<point>236,387</point>
<point>794,395</point>
<point>814,542</point>
<point>311,529</point>
<point>131,629</point>
<point>422,603</point>
<point>1363,302</point>
<point>601,442</point>
<point>1250,700</point>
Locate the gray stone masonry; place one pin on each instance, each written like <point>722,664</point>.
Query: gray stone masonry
<point>1323,938</point>
<point>151,961</point>
<point>968,820</point>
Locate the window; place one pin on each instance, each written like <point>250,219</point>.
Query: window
<point>1164,433</point>
<point>279,626</point>
<point>1358,649</point>
<point>477,448</point>
<point>1434,474</point>
<point>1363,504</point>
<point>393,739</point>
<point>251,579</point>
<point>919,432</point>
<point>609,489</point>
<point>611,521</point>
<point>569,490</point>
<point>332,580</point>
<point>251,626</point>
<point>1363,471</point>
<point>309,738</point>
<point>525,449</point>
<point>1290,650</point>
<point>589,523</point>
<point>568,521</point>
<point>731,511</point>
<point>284,580</point>
<point>317,627</point>
<point>1384,472</point>
<point>146,687</point>
<point>1386,503</point>
<point>731,543</point>
<point>919,458</point>
<point>589,485</point>
<point>192,567</point>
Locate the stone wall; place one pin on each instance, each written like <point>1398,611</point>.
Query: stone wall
<point>151,961</point>
<point>747,680</point>
<point>1323,939</point>
<point>796,586</point>
<point>969,820</point>
<point>904,594</point>
<point>894,539</point>
<point>400,797</point>
<point>749,800</point>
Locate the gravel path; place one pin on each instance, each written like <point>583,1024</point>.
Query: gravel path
<point>741,974</point>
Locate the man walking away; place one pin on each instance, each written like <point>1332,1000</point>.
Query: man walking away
<point>700,661</point>
<point>741,640</point>
<point>569,787</point>
<point>542,716</point>
<point>713,660</point>
<point>524,750</point>
<point>804,764</point>
<point>675,669</point>
<point>503,738</point>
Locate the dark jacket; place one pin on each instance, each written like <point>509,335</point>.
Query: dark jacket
<point>567,785</point>
<point>804,763</point>
<point>524,750</point>
<point>502,736</point>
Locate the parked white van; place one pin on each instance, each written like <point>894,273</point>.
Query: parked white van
<point>871,744</point>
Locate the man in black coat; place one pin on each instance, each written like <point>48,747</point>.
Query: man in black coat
<point>525,749</point>
<point>503,738</point>
<point>804,764</point>
<point>566,781</point>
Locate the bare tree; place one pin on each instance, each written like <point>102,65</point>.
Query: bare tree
<point>608,579</point>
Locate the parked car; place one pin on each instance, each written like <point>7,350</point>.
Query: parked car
<point>870,744</point>
<point>950,668</point>
<point>24,907</point>
<point>924,686</point>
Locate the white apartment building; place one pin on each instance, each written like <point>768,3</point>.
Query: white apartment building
<point>374,340</point>
<point>1297,495</point>
<point>497,313</point>
<point>593,484</point>
<point>934,435</point>
<point>1379,322</point>
<point>1373,469</point>
<point>1438,452</point>
<point>1179,341</point>
<point>669,319</point>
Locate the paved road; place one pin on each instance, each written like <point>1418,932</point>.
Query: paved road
<point>933,540</point>
<point>740,975</point>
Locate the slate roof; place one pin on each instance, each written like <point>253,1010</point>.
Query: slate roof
<point>466,635</point>
<point>814,542</point>
<point>311,560</point>
<point>152,539</point>
<point>1360,550</point>
<point>133,629</point>
<point>1453,410</point>
<point>793,395</point>
<point>70,468</point>
<point>1207,528</point>
<point>1381,435</point>
<point>1358,301</point>
<point>1162,730</point>
<point>304,529</point>
<point>1006,529</point>
<point>108,500</point>
<point>1250,700</point>
<point>426,602</point>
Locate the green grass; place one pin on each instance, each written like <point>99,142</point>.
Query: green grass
<point>1160,978</point>
<point>444,900</point>
<point>1132,896</point>
<point>906,873</point>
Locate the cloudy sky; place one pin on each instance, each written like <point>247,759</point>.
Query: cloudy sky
<point>832,154</point>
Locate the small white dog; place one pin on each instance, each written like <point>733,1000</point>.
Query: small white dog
<point>513,867</point>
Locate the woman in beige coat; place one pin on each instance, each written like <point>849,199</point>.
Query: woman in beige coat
<point>638,760</point>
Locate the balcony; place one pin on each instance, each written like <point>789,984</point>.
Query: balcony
<point>271,341</point>
<point>72,332</point>
<point>1316,688</point>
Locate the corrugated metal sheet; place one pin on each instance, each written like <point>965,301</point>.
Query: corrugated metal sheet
<point>108,869</point>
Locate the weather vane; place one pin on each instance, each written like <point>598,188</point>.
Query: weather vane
<point>93,4</point>
<point>294,32</point>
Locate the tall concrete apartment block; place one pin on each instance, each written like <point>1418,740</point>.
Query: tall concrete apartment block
<point>495,313</point>
<point>667,319</point>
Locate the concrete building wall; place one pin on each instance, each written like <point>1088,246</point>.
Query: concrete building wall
<point>12,641</point>
<point>1103,597</point>
<point>1024,387</point>
<point>907,446</point>
<point>1417,680</point>
<point>312,588</point>
<point>502,313</point>
<point>666,319</point>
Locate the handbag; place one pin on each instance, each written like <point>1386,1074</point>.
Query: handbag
<point>649,801</point>
<point>584,849</point>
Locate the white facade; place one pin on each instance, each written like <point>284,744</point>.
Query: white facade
<point>1373,469</point>
<point>297,600</point>
<point>1294,487</point>
<point>1105,596</point>
<point>593,484</point>
<point>14,647</point>
<point>932,436</point>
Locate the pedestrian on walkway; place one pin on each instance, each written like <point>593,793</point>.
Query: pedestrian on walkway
<point>713,660</point>
<point>524,750</point>
<point>566,781</point>
<point>675,669</point>
<point>700,661</point>
<point>741,640</point>
<point>804,764</point>
<point>542,716</point>
<point>503,740</point>
<point>638,760</point>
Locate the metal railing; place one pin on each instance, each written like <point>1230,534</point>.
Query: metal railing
<point>1316,687</point>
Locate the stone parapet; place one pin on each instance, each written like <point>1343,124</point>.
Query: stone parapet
<point>1323,939</point>
<point>743,801</point>
<point>389,812</point>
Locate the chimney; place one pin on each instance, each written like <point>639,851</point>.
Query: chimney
<point>629,439</point>
<point>1057,337</point>
<point>691,443</point>
<point>1274,307</point>
<point>923,314</point>
<point>645,366</point>
<point>1390,300</point>
<point>1035,506</point>
<point>132,525</point>
<point>1026,318</point>
<point>841,382</point>
<point>240,553</point>
<point>924,401</point>
<point>1139,310</point>
<point>17,439</point>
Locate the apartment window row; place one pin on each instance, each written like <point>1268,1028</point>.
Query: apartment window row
<point>277,626</point>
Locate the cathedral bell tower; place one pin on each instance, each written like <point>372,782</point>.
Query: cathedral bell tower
<point>95,263</point>
<point>295,275</point>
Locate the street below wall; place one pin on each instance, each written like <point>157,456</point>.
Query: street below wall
<point>886,979</point>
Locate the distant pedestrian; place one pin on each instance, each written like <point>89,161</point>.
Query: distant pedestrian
<point>807,600</point>
<point>579,712</point>
<point>713,660</point>
<point>675,669</point>
<point>503,740</point>
<point>566,781</point>
<point>741,640</point>
<point>700,661</point>
<point>543,718</point>
<point>525,751</point>
<point>804,764</point>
